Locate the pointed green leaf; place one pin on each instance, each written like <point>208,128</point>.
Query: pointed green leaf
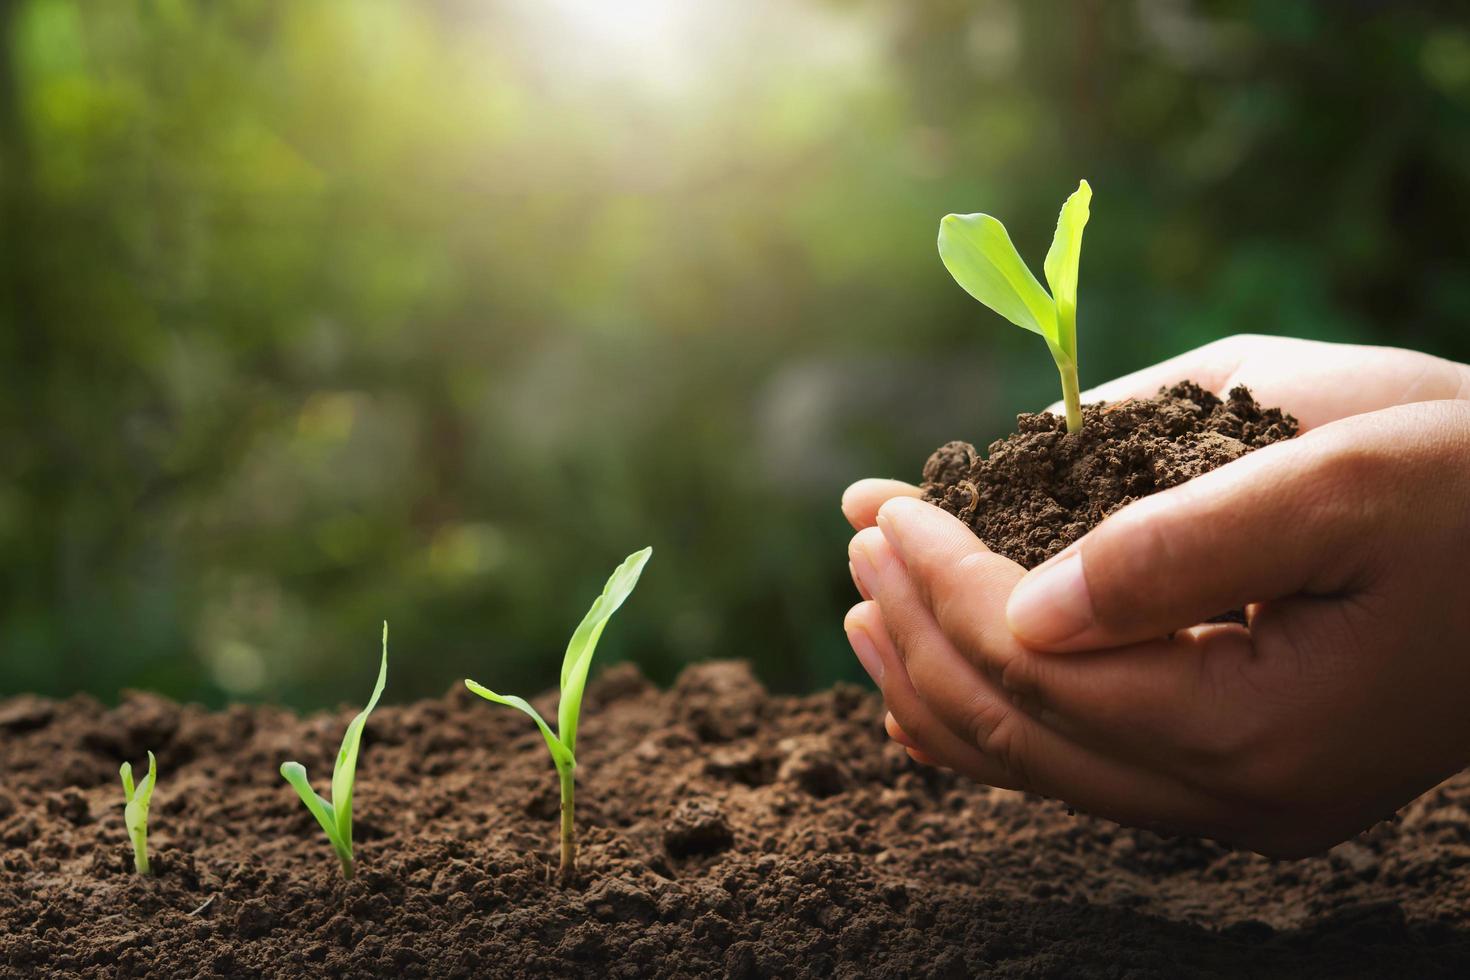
<point>560,754</point>
<point>139,798</point>
<point>336,816</point>
<point>295,774</point>
<point>978,252</point>
<point>145,788</point>
<point>135,814</point>
<point>344,773</point>
<point>1062,261</point>
<point>578,659</point>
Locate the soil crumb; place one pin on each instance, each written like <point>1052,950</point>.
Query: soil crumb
<point>754,836</point>
<point>1039,489</point>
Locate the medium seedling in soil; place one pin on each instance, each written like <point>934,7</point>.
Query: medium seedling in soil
<point>336,816</point>
<point>978,252</point>
<point>135,815</point>
<point>574,668</point>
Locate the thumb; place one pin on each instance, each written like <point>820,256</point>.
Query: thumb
<point>1284,520</point>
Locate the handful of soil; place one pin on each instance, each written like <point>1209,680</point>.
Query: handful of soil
<point>1040,489</point>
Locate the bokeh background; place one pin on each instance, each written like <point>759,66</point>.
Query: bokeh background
<point>317,313</point>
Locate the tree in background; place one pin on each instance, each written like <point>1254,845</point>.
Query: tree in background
<point>312,315</point>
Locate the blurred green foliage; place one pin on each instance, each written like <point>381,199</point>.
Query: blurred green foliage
<point>313,314</point>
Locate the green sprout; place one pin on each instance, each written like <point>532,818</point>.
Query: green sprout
<point>135,816</point>
<point>336,816</point>
<point>978,253</point>
<point>574,667</point>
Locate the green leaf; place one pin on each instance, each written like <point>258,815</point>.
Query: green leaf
<point>560,754</point>
<point>578,659</point>
<point>135,814</point>
<point>978,253</point>
<point>295,774</point>
<point>336,816</point>
<point>344,773</point>
<point>1061,264</point>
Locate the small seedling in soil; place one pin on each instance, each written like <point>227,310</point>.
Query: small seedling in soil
<point>574,667</point>
<point>978,252</point>
<point>135,816</point>
<point>336,816</point>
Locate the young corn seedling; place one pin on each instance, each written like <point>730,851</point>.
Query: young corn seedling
<point>574,667</point>
<point>336,816</point>
<point>135,815</point>
<point>978,253</point>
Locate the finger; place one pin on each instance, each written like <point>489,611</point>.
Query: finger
<point>1284,520</point>
<point>896,732</point>
<point>963,583</point>
<point>1164,702</point>
<point>940,746</point>
<point>1212,367</point>
<point>1318,382</point>
<point>972,708</point>
<point>890,724</point>
<point>860,502</point>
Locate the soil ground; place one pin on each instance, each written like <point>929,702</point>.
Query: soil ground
<point>1040,489</point>
<point>726,833</point>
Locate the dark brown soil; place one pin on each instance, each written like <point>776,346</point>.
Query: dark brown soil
<point>726,833</point>
<point>1040,489</point>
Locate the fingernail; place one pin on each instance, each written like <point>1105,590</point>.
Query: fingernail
<point>867,653</point>
<point>891,727</point>
<point>1051,604</point>
<point>892,521</point>
<point>864,555</point>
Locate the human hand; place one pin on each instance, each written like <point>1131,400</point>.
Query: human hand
<point>1343,700</point>
<point>1318,382</point>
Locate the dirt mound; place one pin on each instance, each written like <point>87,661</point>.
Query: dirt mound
<point>1039,489</point>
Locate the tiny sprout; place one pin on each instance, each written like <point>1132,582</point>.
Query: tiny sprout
<point>135,815</point>
<point>978,253</point>
<point>574,668</point>
<point>336,816</point>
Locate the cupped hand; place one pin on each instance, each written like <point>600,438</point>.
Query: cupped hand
<point>1086,679</point>
<point>1316,381</point>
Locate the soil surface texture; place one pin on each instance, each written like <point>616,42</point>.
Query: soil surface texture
<point>726,832</point>
<point>1040,489</point>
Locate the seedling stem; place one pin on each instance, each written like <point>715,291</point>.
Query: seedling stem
<point>568,775</point>
<point>1072,397</point>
